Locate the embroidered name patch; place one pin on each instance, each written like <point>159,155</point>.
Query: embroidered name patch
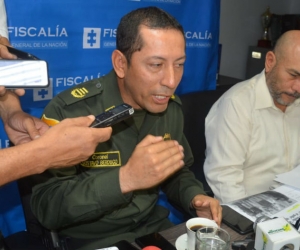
<point>103,159</point>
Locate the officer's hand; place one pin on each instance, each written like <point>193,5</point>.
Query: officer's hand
<point>71,141</point>
<point>152,161</point>
<point>207,207</point>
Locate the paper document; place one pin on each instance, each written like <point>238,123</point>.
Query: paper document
<point>283,201</point>
<point>290,178</point>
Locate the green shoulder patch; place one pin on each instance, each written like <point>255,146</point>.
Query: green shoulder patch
<point>81,91</point>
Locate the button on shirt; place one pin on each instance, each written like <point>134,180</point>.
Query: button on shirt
<point>249,141</point>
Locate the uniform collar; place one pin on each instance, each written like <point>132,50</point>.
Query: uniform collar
<point>111,86</point>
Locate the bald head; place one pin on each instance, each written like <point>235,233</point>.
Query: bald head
<point>282,69</point>
<point>288,44</point>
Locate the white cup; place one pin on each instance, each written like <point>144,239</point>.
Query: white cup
<point>192,225</point>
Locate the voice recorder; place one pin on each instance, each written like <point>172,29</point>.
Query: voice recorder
<point>113,116</point>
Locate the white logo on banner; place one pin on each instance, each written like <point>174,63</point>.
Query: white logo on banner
<point>72,80</point>
<point>91,38</point>
<point>43,94</point>
<point>198,39</point>
<point>55,34</point>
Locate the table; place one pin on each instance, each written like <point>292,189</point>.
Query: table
<point>173,233</point>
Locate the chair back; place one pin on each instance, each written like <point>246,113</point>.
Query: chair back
<point>35,236</point>
<point>195,107</point>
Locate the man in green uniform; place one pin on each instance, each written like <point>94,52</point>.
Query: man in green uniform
<point>113,195</point>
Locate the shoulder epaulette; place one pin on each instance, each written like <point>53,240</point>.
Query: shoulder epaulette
<point>81,91</point>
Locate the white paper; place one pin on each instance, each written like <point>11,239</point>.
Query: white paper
<point>290,178</point>
<point>283,201</point>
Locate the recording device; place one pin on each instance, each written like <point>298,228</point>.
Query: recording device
<point>113,116</point>
<point>27,71</point>
<point>23,73</point>
<point>154,239</point>
<point>236,221</point>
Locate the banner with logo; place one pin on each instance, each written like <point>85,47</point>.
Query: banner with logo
<point>77,37</point>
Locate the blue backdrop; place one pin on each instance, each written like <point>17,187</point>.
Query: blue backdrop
<point>77,38</point>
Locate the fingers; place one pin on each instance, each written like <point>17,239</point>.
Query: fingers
<point>166,157</point>
<point>152,161</point>
<point>157,145</point>
<point>208,207</point>
<point>2,91</point>
<point>216,211</point>
<point>79,121</point>
<point>81,139</point>
<point>31,129</point>
<point>171,156</point>
<point>150,139</point>
<point>100,134</point>
<point>19,92</point>
<point>4,54</point>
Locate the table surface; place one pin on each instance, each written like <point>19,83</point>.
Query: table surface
<point>173,233</point>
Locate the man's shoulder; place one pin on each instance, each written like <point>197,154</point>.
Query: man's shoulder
<point>175,104</point>
<point>80,92</point>
<point>244,90</point>
<point>241,96</point>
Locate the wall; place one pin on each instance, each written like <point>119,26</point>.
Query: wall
<point>240,27</point>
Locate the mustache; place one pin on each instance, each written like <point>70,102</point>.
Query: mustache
<point>295,95</point>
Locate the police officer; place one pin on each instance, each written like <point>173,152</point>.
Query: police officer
<point>113,195</point>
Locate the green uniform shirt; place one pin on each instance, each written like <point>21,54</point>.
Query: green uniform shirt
<point>85,201</point>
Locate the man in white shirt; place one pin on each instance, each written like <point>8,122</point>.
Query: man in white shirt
<point>253,131</point>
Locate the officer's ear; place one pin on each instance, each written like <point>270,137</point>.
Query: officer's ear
<point>119,63</point>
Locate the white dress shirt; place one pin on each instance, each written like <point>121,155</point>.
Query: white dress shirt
<point>249,141</point>
<point>3,21</point>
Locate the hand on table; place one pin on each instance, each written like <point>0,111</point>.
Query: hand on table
<point>207,207</point>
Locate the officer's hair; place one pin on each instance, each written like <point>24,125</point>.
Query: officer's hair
<point>129,39</point>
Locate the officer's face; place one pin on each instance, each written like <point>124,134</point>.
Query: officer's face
<point>155,71</point>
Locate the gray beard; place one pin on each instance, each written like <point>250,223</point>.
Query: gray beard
<point>275,92</point>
